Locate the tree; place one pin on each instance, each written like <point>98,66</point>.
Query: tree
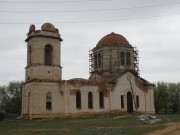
<point>174,94</point>
<point>161,97</point>
<point>167,97</point>
<point>10,97</point>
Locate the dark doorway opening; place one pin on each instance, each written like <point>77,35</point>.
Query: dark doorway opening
<point>129,102</point>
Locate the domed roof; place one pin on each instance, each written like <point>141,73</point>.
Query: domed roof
<point>113,38</point>
<point>48,27</point>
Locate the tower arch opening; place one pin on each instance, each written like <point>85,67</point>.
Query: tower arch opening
<point>128,59</point>
<point>48,55</point>
<point>29,55</point>
<point>122,57</point>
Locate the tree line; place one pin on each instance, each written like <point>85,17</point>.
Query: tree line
<point>10,97</point>
<point>166,97</point>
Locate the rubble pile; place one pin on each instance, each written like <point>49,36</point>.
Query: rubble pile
<point>151,119</point>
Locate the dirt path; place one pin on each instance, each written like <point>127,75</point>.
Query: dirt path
<point>171,129</point>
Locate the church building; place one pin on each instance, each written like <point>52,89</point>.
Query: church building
<point>114,84</point>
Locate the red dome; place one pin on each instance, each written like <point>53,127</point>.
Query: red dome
<point>113,38</point>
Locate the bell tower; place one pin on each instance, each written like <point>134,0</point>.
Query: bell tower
<point>43,71</point>
<point>43,54</point>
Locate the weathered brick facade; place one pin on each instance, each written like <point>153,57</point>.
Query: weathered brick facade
<point>114,83</point>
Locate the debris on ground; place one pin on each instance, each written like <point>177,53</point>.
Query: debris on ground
<point>151,119</point>
<point>155,121</point>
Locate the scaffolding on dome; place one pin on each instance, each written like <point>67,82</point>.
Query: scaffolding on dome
<point>96,65</point>
<point>136,60</point>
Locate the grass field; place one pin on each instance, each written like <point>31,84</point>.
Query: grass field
<point>106,124</point>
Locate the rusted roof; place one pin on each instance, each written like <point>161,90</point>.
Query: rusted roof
<point>111,39</point>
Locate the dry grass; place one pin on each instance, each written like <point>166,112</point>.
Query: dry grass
<point>104,124</point>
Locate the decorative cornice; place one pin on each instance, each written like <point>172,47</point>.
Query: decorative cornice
<point>43,80</point>
<point>42,65</point>
<point>46,36</point>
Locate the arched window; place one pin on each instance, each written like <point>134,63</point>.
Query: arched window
<point>137,101</point>
<point>78,99</point>
<point>122,58</point>
<point>48,101</point>
<point>48,52</point>
<point>29,55</point>
<point>95,61</point>
<point>101,100</point>
<point>122,101</point>
<point>99,60</point>
<point>128,58</point>
<point>90,100</point>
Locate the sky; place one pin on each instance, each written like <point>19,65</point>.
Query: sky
<point>153,26</point>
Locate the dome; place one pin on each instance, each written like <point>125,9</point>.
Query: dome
<point>48,27</point>
<point>113,38</point>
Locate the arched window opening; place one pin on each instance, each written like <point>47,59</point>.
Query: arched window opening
<point>99,60</point>
<point>137,101</point>
<point>101,100</point>
<point>48,101</point>
<point>78,100</point>
<point>122,101</point>
<point>95,60</point>
<point>29,55</point>
<point>48,52</point>
<point>128,58</point>
<point>122,58</point>
<point>90,100</point>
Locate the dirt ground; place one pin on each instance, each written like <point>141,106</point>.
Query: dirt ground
<point>171,129</point>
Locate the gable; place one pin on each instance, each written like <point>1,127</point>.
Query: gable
<point>95,78</point>
<point>129,79</point>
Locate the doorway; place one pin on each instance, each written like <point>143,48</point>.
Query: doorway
<point>129,102</point>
